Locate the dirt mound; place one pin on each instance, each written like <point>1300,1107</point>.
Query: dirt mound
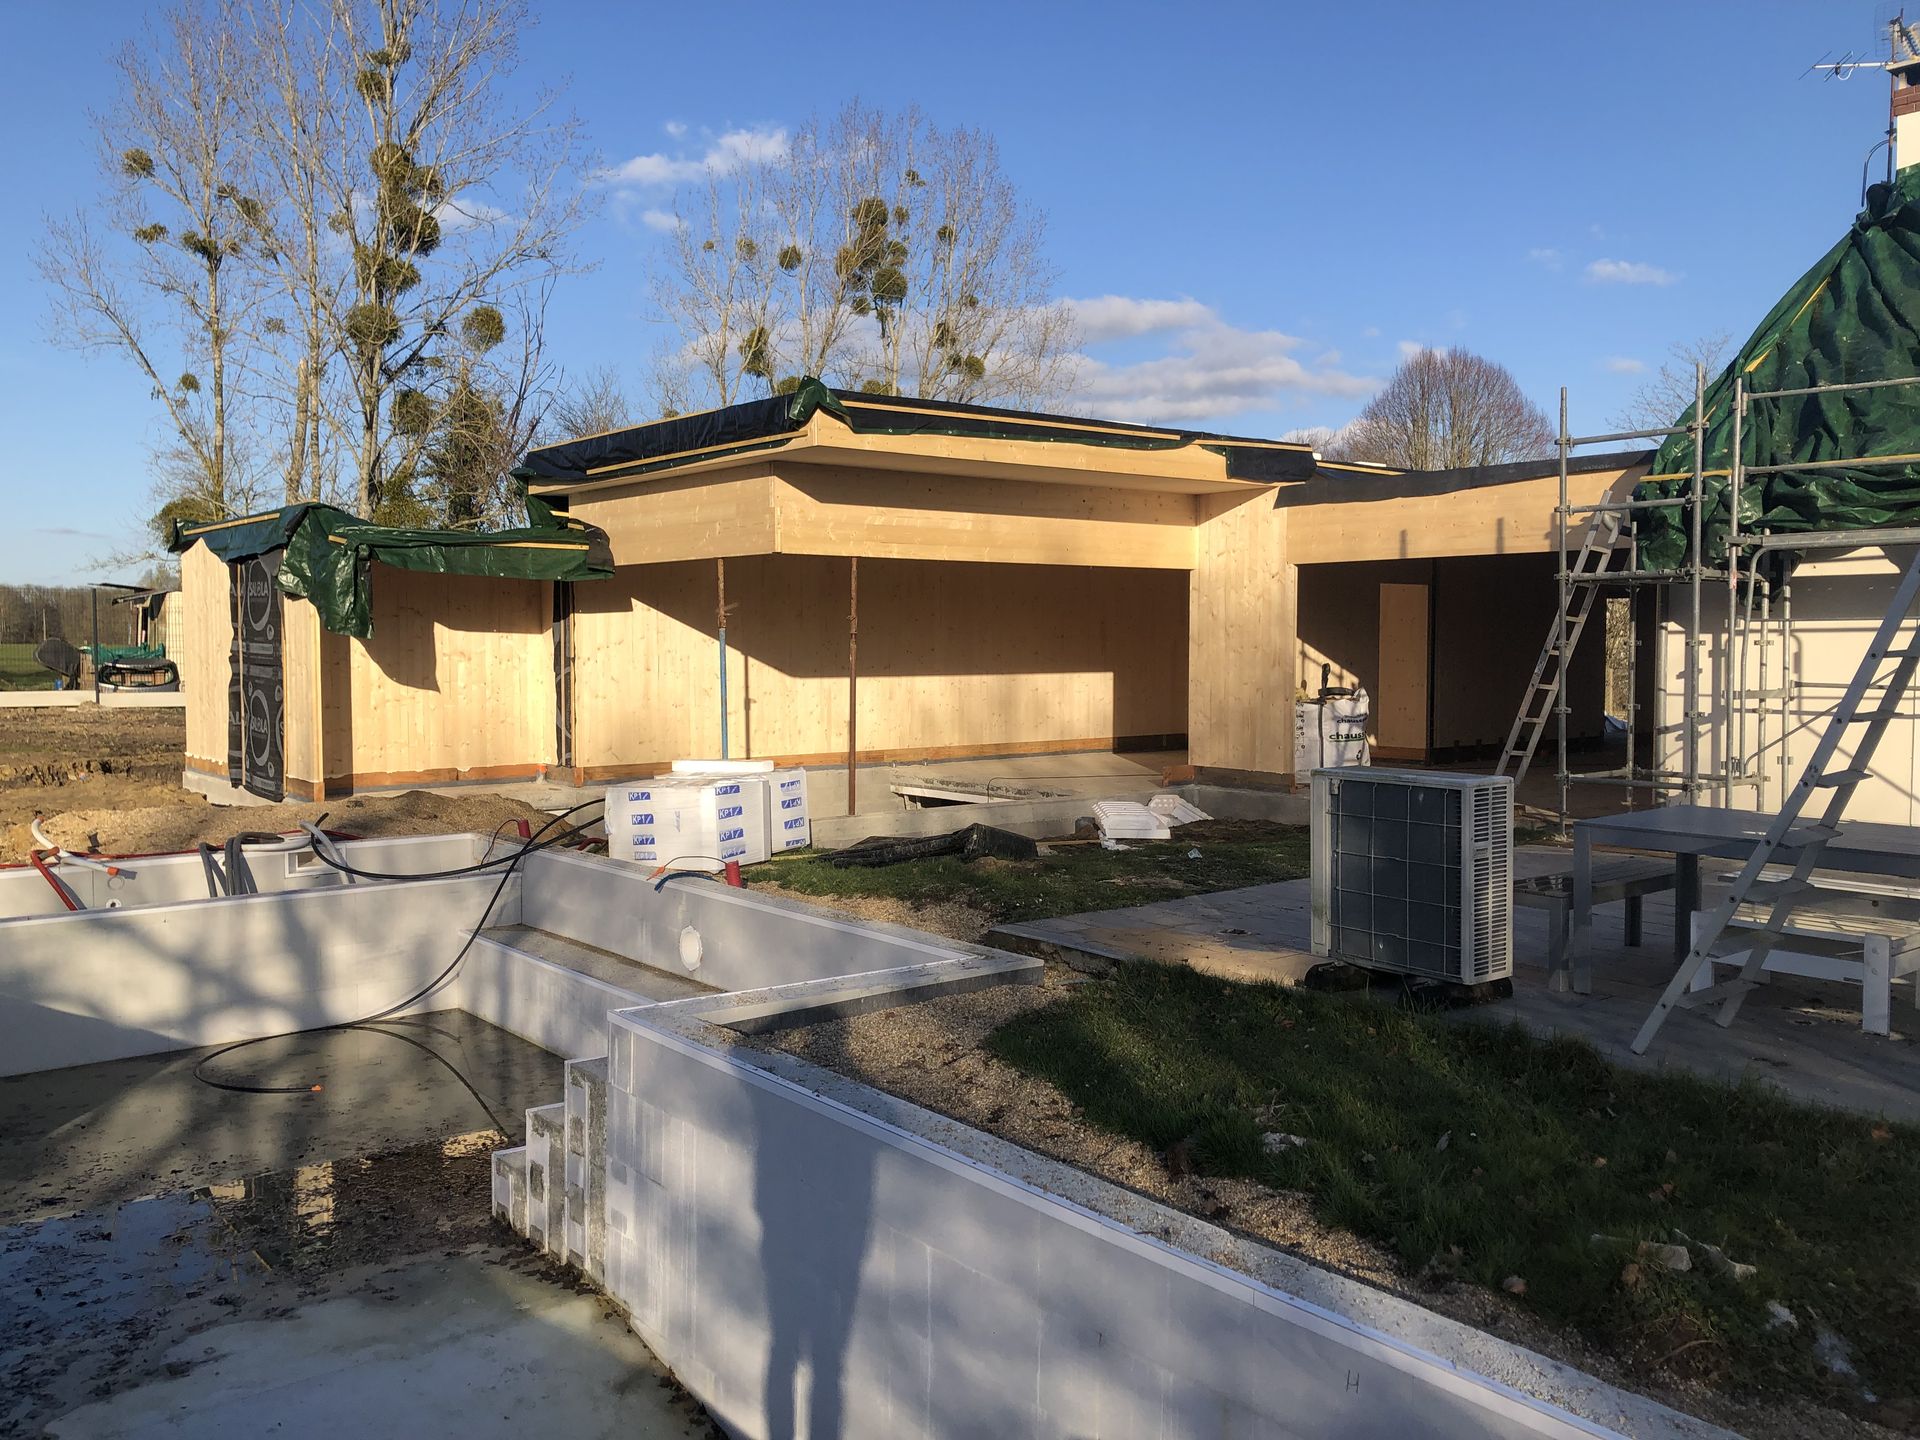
<point>184,824</point>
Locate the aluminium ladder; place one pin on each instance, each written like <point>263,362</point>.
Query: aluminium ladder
<point>1550,670</point>
<point>1870,703</point>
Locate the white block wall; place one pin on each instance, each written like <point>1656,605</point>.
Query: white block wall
<point>105,984</point>
<point>808,1270</point>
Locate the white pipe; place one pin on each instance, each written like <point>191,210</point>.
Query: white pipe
<point>86,862</point>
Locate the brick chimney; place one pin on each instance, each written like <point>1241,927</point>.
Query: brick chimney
<point>1903,65</point>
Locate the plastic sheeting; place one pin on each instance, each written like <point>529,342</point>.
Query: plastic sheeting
<point>756,425</point>
<point>330,553</point>
<point>1854,316</point>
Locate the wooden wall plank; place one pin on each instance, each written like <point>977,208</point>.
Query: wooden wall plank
<point>1242,638</point>
<point>457,679</point>
<point>827,510</point>
<point>1400,705</point>
<point>206,625</point>
<point>302,666</point>
<point>1512,519</point>
<point>696,517</point>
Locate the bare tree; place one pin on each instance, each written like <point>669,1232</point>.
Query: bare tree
<point>1668,395</point>
<point>294,126</point>
<point>159,273</point>
<point>879,252</point>
<point>720,292</point>
<point>1448,408</point>
<point>496,397</point>
<point>594,404</point>
<point>453,202</point>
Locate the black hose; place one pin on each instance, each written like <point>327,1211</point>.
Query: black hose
<point>512,860</point>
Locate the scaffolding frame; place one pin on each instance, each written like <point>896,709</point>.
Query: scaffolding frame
<point>1755,685</point>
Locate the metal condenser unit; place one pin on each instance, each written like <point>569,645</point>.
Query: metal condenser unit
<point>1413,872</point>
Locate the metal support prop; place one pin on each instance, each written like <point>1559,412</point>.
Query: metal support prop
<point>1729,758</point>
<point>853,684</point>
<point>1690,685</point>
<point>720,620</point>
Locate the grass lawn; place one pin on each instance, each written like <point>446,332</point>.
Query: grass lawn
<point>1484,1153</point>
<point>1075,877</point>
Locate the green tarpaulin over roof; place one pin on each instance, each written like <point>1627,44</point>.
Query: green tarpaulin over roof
<point>1854,316</point>
<point>329,554</point>
<point>767,424</point>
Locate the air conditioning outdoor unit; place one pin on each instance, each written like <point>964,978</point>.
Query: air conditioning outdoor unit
<point>1413,872</point>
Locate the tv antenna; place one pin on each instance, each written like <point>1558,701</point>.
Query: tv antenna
<point>1903,56</point>
<point>1903,48</point>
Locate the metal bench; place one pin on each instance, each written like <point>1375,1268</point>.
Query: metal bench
<point>1615,878</point>
<point>1862,937</point>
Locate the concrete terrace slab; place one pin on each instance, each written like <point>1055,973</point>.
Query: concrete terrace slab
<point>1802,1035</point>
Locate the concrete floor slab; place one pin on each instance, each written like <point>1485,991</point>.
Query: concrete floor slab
<point>181,1260</point>
<point>96,1135</point>
<point>1803,1036</point>
<point>467,1346</point>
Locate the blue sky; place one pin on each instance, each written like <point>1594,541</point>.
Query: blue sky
<point>1260,205</point>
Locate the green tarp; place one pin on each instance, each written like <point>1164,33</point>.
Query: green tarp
<point>110,654</point>
<point>755,425</point>
<point>329,554</point>
<point>1854,316</point>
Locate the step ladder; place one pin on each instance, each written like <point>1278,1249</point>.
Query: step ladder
<point>1549,672</point>
<point>1871,702</point>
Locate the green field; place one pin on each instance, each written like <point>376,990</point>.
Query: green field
<point>20,671</point>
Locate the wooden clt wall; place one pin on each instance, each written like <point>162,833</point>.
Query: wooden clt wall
<point>789,508</point>
<point>1242,618</point>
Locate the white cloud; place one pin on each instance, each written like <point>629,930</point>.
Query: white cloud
<point>749,145</point>
<point>1212,370</point>
<point>651,170</point>
<point>676,128</point>
<point>1629,272</point>
<point>459,213</point>
<point>1624,365</point>
<point>665,221</point>
<point>1121,317</point>
<point>1408,348</point>
<point>1545,256</point>
<point>1372,332</point>
<point>723,152</point>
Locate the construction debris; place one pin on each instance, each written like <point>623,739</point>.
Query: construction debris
<point>975,842</point>
<point>1175,809</point>
<point>1667,1257</point>
<point>1717,1260</point>
<point>1123,820</point>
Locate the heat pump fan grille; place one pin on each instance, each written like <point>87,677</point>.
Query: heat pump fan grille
<point>1397,890</point>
